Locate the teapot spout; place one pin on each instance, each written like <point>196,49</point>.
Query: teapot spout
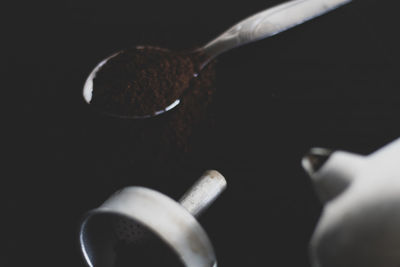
<point>331,172</point>
<point>315,159</point>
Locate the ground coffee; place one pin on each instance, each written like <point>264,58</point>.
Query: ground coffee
<point>142,80</point>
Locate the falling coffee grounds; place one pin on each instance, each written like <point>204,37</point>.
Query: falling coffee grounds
<point>159,147</point>
<point>142,80</point>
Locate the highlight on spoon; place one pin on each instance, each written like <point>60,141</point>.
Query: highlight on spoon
<point>88,86</point>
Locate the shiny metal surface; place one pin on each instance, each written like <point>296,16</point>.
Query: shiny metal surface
<point>143,207</point>
<point>259,26</point>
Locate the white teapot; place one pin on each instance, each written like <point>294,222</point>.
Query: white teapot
<point>360,222</point>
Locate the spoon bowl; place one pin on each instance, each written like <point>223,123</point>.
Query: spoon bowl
<point>89,84</point>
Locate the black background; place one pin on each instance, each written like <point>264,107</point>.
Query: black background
<point>332,82</point>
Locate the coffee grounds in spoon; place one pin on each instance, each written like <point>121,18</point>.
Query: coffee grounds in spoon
<point>141,80</point>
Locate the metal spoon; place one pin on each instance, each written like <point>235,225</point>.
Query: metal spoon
<point>261,25</point>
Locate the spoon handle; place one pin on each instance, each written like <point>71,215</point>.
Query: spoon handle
<point>270,22</point>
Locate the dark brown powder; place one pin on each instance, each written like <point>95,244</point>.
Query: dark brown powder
<point>174,133</point>
<point>164,144</point>
<point>142,80</point>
